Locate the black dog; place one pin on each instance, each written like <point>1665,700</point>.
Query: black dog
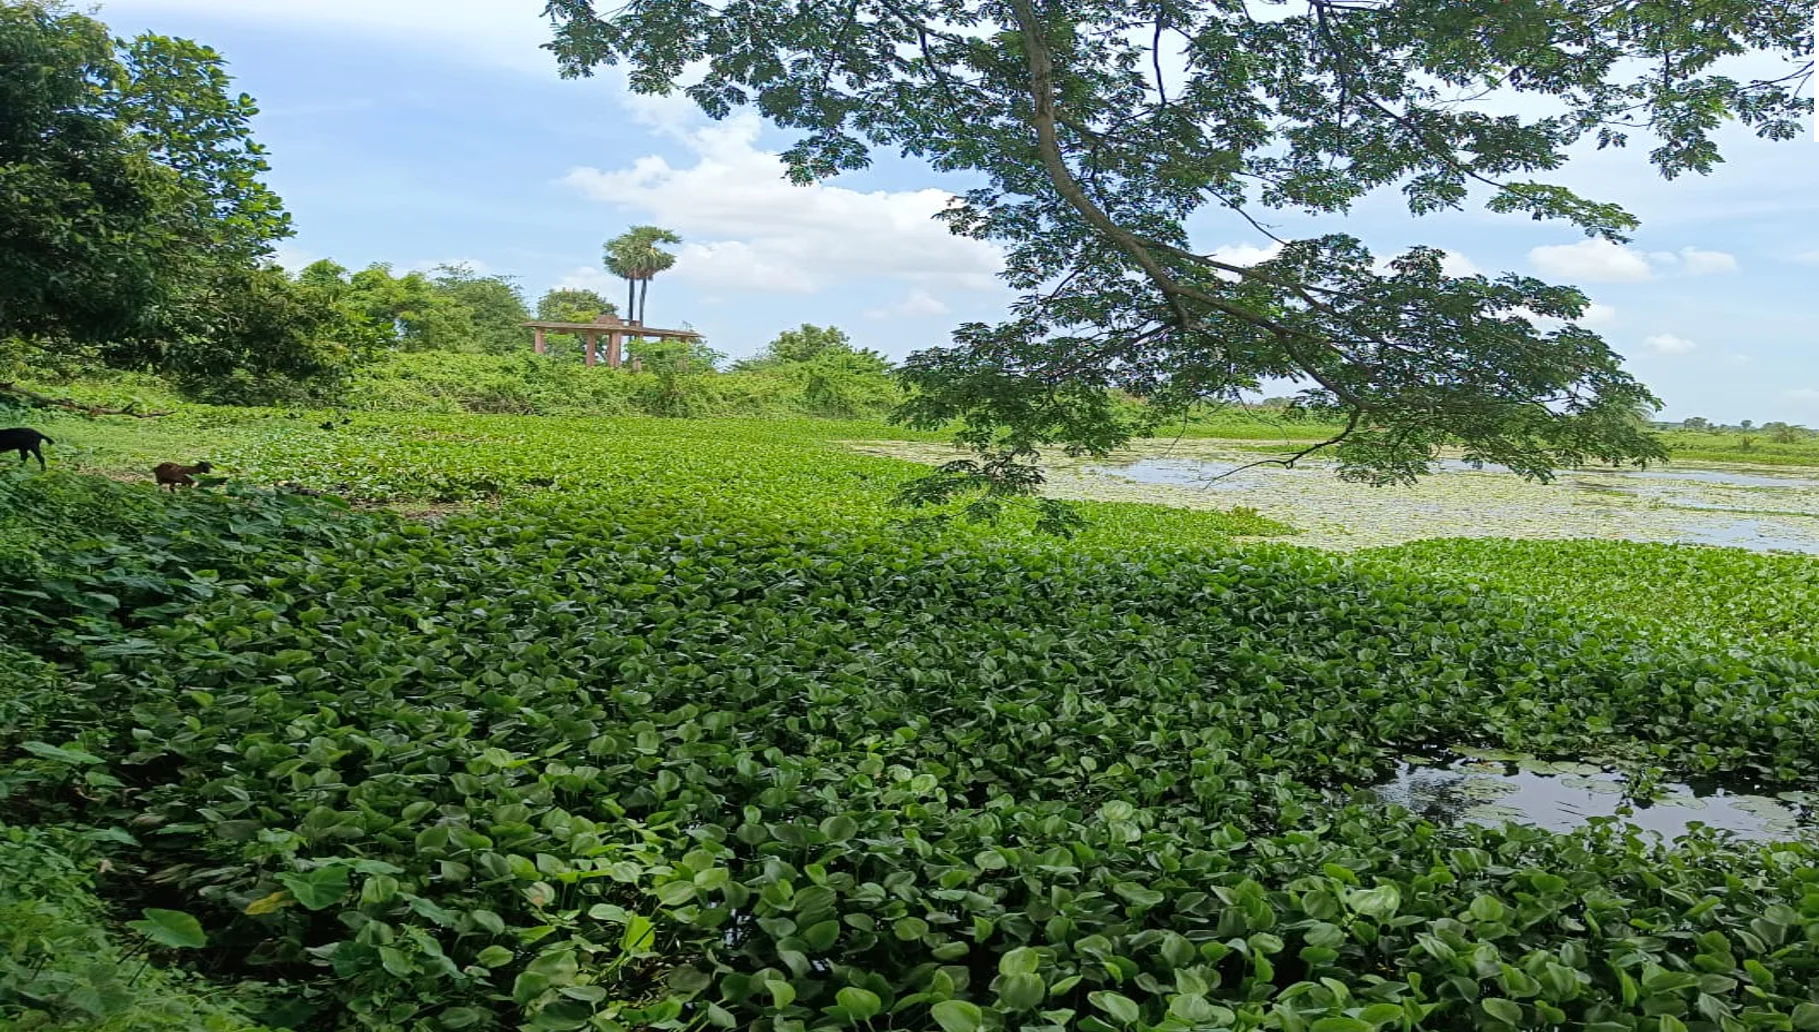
<point>25,441</point>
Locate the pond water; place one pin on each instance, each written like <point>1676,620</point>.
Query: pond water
<point>1761,511</point>
<point>1562,796</point>
<point>1742,507</point>
<point>1723,476</point>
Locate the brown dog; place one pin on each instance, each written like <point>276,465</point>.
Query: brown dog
<point>173,475</point>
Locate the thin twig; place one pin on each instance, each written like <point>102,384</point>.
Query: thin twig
<point>1351,423</point>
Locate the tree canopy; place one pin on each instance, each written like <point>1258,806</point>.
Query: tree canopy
<point>494,304</point>
<point>1098,129</point>
<point>806,343</point>
<point>573,304</point>
<point>129,180</point>
<point>637,256</point>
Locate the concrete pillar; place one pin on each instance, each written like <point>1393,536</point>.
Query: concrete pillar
<point>593,342</point>
<point>542,345</point>
<point>615,349</point>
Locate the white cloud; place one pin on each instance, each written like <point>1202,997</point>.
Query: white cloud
<point>1597,315</point>
<point>917,303</point>
<point>1452,263</point>
<point>1695,262</point>
<point>1591,261</point>
<point>748,228</point>
<point>1668,344</point>
<point>1807,258</point>
<point>1245,254</point>
<point>1600,261</point>
<point>738,265</point>
<point>594,278</point>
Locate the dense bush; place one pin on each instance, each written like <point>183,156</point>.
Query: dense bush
<point>580,762</point>
<point>534,385</point>
<point>63,970</point>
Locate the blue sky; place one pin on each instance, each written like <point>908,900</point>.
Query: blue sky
<point>421,131</point>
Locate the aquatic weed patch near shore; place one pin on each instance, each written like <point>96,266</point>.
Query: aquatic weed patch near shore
<point>552,764</point>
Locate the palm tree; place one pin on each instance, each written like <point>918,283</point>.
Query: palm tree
<point>615,264</point>
<point>636,256</point>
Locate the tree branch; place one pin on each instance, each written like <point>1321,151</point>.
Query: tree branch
<point>1351,424</point>
<point>1042,92</point>
<point>76,406</point>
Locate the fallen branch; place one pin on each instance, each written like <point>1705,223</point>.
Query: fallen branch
<point>76,406</point>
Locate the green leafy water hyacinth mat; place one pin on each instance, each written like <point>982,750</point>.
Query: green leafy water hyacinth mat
<point>562,765</point>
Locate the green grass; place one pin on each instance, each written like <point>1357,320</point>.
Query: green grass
<point>1728,446</point>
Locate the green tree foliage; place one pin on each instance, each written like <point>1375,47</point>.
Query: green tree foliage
<point>837,380</point>
<point>803,344</point>
<point>573,304</point>
<point>1101,127</point>
<point>637,256</point>
<point>453,309</point>
<point>1784,433</point>
<point>420,317</point>
<point>495,307</point>
<point>129,179</point>
<point>251,335</point>
<point>675,366</point>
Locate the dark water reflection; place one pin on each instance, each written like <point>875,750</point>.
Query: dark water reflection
<point>1564,796</point>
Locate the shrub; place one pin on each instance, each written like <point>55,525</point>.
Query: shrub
<point>62,970</point>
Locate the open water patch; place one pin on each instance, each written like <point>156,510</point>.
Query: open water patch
<point>1182,473</point>
<point>1491,789</point>
<point>1729,478</point>
<point>1730,508</point>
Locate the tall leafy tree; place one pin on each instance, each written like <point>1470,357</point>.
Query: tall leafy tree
<point>417,315</point>
<point>494,304</point>
<point>129,182</point>
<point>808,343</point>
<point>573,304</point>
<point>1099,128</point>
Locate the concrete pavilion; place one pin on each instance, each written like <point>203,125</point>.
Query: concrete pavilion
<point>613,328</point>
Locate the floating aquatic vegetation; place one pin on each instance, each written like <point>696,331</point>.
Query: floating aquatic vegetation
<point>1761,512</point>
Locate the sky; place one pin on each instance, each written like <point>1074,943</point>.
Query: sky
<point>418,132</point>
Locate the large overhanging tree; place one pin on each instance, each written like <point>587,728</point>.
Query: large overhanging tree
<point>1100,127</point>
